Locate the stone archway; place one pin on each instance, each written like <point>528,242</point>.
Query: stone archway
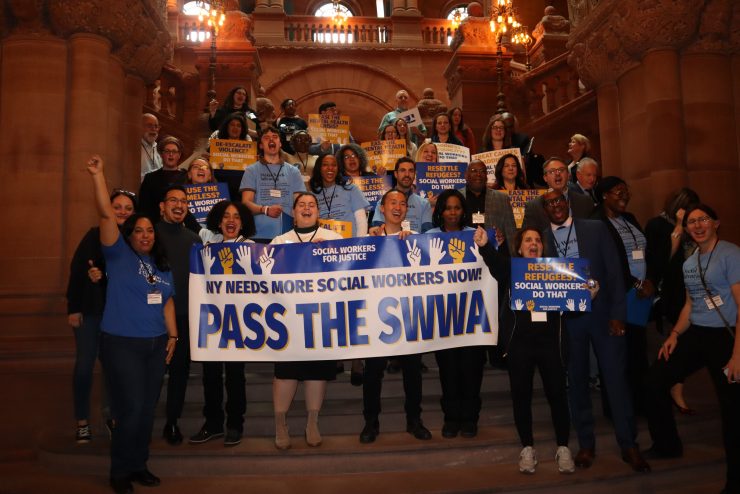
<point>365,93</point>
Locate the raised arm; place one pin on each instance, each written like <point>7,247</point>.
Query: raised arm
<point>108,226</point>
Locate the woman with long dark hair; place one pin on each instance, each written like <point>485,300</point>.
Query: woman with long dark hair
<point>236,101</point>
<point>138,333</point>
<point>461,130</point>
<point>509,174</point>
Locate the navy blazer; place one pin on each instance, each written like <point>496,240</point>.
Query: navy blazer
<point>581,206</point>
<point>596,244</point>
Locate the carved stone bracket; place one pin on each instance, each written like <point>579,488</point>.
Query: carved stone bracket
<point>136,30</point>
<point>613,37</point>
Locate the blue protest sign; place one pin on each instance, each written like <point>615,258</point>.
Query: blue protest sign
<point>202,197</point>
<point>550,284</point>
<point>433,178</point>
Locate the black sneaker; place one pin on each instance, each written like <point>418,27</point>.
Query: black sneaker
<point>84,435</point>
<point>172,434</point>
<point>204,435</point>
<point>233,437</point>
<point>370,432</point>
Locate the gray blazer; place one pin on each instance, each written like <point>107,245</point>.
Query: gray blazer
<point>534,211</point>
<point>499,214</point>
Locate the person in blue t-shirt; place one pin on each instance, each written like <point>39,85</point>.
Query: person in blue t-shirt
<point>419,213</point>
<point>139,333</point>
<point>339,199</point>
<point>705,335</point>
<point>269,187</point>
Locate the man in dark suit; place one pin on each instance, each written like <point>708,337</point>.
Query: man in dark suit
<point>603,328</point>
<point>556,177</point>
<point>587,174</point>
<point>494,205</point>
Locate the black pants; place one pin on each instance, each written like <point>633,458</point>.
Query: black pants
<point>372,386</point>
<point>179,371</point>
<point>698,347</point>
<point>461,375</point>
<point>530,349</point>
<point>236,395</point>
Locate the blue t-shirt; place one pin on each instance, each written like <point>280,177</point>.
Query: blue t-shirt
<point>261,179</point>
<point>340,203</point>
<point>633,240</point>
<point>127,311</point>
<point>720,273</point>
<point>419,213</point>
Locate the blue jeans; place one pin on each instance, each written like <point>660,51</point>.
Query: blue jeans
<point>134,368</point>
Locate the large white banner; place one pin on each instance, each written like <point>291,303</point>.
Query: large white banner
<point>340,299</point>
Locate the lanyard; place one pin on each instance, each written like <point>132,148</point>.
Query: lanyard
<point>149,155</point>
<point>629,229</point>
<point>274,177</point>
<point>702,272</point>
<point>564,253</point>
<point>327,201</point>
<point>310,239</point>
<point>149,274</point>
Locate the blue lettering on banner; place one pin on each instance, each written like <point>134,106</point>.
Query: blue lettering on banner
<point>550,284</point>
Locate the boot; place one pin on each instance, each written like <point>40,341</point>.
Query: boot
<point>282,436</point>
<point>313,436</point>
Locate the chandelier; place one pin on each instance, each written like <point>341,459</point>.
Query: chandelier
<point>339,16</point>
<point>212,14</point>
<point>503,17</point>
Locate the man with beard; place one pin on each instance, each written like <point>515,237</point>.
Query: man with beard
<point>268,188</point>
<point>556,177</point>
<point>603,328</point>
<point>419,214</point>
<point>150,158</point>
<point>177,241</point>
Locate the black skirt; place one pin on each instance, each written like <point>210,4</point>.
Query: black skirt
<point>312,370</point>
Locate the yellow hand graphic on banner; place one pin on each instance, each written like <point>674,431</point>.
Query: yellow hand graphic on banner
<point>227,259</point>
<point>456,248</point>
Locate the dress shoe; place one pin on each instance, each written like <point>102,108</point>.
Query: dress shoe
<point>633,457</point>
<point>172,434</point>
<point>145,477</point>
<point>450,430</point>
<point>121,485</point>
<point>584,458</point>
<point>416,428</point>
<point>369,432</point>
<point>469,430</point>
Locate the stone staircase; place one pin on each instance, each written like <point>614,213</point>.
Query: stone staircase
<point>486,463</point>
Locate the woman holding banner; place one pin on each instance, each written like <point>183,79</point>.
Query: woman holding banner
<point>314,374</point>
<point>461,369</point>
<point>227,222</point>
<point>509,174</point>
<point>533,340</point>
<point>340,201</point>
<point>138,333</point>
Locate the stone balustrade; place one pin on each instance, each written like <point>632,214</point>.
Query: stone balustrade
<point>311,30</point>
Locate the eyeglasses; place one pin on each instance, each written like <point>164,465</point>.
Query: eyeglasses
<point>350,155</point>
<point>171,151</point>
<point>499,127</point>
<point>704,220</point>
<point>152,126</point>
<point>175,200</point>
<point>555,201</point>
<point>556,171</point>
<point>478,171</point>
<point>200,167</point>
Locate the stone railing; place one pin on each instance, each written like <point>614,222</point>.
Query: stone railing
<point>548,87</point>
<point>310,30</point>
<point>437,32</point>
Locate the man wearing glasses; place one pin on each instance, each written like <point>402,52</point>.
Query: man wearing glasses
<point>150,158</point>
<point>556,177</point>
<point>156,183</point>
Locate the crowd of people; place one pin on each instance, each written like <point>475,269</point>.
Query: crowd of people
<point>128,288</point>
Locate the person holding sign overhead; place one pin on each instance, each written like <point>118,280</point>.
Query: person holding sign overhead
<point>341,204</point>
<point>269,186</point>
<point>603,328</point>
<point>402,105</point>
<point>314,374</point>
<point>393,207</point>
<point>138,333</point>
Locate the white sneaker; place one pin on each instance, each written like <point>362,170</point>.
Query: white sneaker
<point>527,460</point>
<point>565,460</point>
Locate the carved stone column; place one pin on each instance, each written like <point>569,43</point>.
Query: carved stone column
<point>72,84</point>
<point>667,82</point>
